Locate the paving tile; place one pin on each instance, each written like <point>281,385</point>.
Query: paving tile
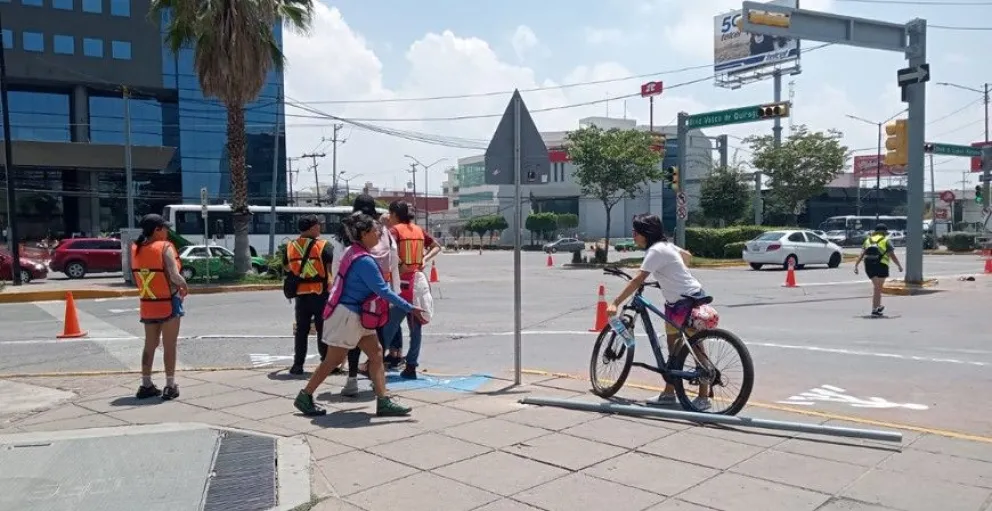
<point>335,504</point>
<point>847,450</point>
<point>214,418</point>
<point>506,505</point>
<point>356,471</point>
<point>367,433</point>
<point>501,473</point>
<point>228,399</point>
<point>755,437</point>
<point>733,492</point>
<point>428,451</point>
<point>912,492</point>
<point>803,471</point>
<point>222,376</point>
<point>321,448</point>
<point>163,411</point>
<point>421,492</point>
<point>710,452</point>
<point>262,409</point>
<point>438,417</point>
<point>963,448</point>
<point>264,384</point>
<point>851,505</point>
<point>85,422</point>
<point>495,432</point>
<point>429,395</point>
<point>565,451</point>
<point>677,505</point>
<point>664,423</point>
<point>613,431</point>
<point>320,487</point>
<point>64,411</point>
<point>263,427</point>
<point>549,417</point>
<point>200,391</point>
<point>112,400</point>
<point>579,491</point>
<point>293,421</point>
<point>651,473</point>
<point>570,384</point>
<point>486,405</point>
<point>941,466</point>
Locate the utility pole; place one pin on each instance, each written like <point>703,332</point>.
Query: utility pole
<point>334,161</point>
<point>289,179</point>
<point>722,146</point>
<point>413,171</point>
<point>316,178</point>
<point>275,180</point>
<point>8,162</point>
<point>128,170</point>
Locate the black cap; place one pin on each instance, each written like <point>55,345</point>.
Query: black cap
<point>151,221</point>
<point>881,228</point>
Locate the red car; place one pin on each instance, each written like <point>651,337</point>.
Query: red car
<point>30,269</point>
<point>78,257</point>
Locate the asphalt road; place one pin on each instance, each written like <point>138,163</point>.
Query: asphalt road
<point>928,364</point>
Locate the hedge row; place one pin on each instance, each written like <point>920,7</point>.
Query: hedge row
<point>713,243</point>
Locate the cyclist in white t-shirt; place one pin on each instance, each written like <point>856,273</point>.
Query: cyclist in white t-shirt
<point>669,265</point>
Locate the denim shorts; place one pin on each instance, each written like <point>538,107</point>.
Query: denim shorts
<point>178,311</point>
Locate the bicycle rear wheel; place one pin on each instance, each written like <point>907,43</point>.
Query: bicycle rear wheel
<point>615,355</point>
<point>719,376</point>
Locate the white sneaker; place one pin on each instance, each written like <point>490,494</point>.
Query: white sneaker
<point>663,400</point>
<point>350,388</point>
<point>702,404</point>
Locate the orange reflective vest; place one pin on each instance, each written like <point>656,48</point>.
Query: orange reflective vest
<point>148,271</point>
<point>309,269</point>
<point>410,240</point>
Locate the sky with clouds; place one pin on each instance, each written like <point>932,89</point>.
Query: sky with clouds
<point>374,63</point>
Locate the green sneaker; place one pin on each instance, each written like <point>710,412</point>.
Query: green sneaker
<point>304,403</point>
<point>386,407</point>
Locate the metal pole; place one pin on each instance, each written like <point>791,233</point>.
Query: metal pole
<point>710,418</point>
<point>427,205</point>
<point>933,200</point>
<point>334,165</point>
<point>651,114</point>
<point>916,94</point>
<point>683,136</point>
<point>275,179</point>
<point>777,126</point>
<point>8,161</point>
<point>987,166</point>
<point>128,171</point>
<point>878,172</point>
<point>517,245</point>
<point>413,171</point>
<point>724,150</point>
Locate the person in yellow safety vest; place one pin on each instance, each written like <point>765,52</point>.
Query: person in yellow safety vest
<point>877,252</point>
<point>155,268</point>
<point>307,259</point>
<point>414,247</point>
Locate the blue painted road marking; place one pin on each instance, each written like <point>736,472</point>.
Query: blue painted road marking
<point>448,384</point>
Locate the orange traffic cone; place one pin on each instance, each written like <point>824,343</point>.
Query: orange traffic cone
<point>551,262</point>
<point>601,320</point>
<point>790,276</point>
<point>434,273</point>
<point>988,265</point>
<point>71,328</point>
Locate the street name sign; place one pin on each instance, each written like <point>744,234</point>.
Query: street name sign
<point>952,149</point>
<point>723,117</point>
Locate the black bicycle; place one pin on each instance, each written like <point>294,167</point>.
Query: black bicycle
<point>614,349</point>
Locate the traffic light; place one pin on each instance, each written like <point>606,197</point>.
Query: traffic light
<point>773,110</point>
<point>896,143</point>
<point>978,194</point>
<point>672,177</point>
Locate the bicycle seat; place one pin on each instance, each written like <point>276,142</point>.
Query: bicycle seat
<point>700,299</point>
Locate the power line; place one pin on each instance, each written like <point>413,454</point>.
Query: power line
<point>963,29</point>
<point>920,2</point>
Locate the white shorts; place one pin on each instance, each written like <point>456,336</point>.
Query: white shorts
<point>344,329</point>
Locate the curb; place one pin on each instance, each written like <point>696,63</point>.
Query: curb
<point>926,287</point>
<point>90,294</point>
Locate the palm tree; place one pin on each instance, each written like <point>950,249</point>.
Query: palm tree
<point>234,48</point>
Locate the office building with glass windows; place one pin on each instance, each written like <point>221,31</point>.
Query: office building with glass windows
<point>69,63</point>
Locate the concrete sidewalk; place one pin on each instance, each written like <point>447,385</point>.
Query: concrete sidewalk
<point>482,450</point>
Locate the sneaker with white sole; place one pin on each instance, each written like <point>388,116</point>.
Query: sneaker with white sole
<point>702,404</point>
<point>350,388</point>
<point>664,400</point>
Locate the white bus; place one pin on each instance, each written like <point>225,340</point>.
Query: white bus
<point>187,221</point>
<point>852,223</point>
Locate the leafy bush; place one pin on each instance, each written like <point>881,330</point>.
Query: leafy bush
<point>711,243</point>
<point>733,250</point>
<point>961,241</point>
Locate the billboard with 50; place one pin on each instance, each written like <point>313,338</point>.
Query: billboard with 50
<point>735,51</point>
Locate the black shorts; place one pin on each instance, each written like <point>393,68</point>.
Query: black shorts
<point>876,270</point>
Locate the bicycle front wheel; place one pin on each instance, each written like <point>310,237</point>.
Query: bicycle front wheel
<point>723,364</point>
<point>616,358</point>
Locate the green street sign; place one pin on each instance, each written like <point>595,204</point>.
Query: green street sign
<point>738,115</point>
<point>952,149</point>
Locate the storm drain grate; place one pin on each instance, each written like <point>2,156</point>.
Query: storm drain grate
<point>244,474</point>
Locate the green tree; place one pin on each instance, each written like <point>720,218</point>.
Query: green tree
<point>495,224</point>
<point>724,195</point>
<point>234,48</point>
<point>612,165</point>
<point>542,224</point>
<point>567,221</point>
<point>800,168</point>
<point>478,226</point>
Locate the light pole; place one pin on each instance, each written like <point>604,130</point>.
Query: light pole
<point>984,91</point>
<point>427,213</point>
<point>878,161</point>
<point>347,182</point>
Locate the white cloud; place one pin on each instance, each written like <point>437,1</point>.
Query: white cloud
<point>598,36</point>
<point>525,43</point>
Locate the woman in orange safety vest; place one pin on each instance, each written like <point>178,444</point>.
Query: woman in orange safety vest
<point>156,269</point>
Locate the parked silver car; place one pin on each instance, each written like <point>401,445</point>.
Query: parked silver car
<point>564,245</point>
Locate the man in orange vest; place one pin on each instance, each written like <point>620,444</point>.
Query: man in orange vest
<point>307,260</point>
<point>414,246</point>
<point>156,270</point>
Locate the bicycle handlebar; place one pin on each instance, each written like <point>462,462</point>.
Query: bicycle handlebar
<point>617,272</point>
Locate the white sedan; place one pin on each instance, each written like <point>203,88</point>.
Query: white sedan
<point>799,248</point>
